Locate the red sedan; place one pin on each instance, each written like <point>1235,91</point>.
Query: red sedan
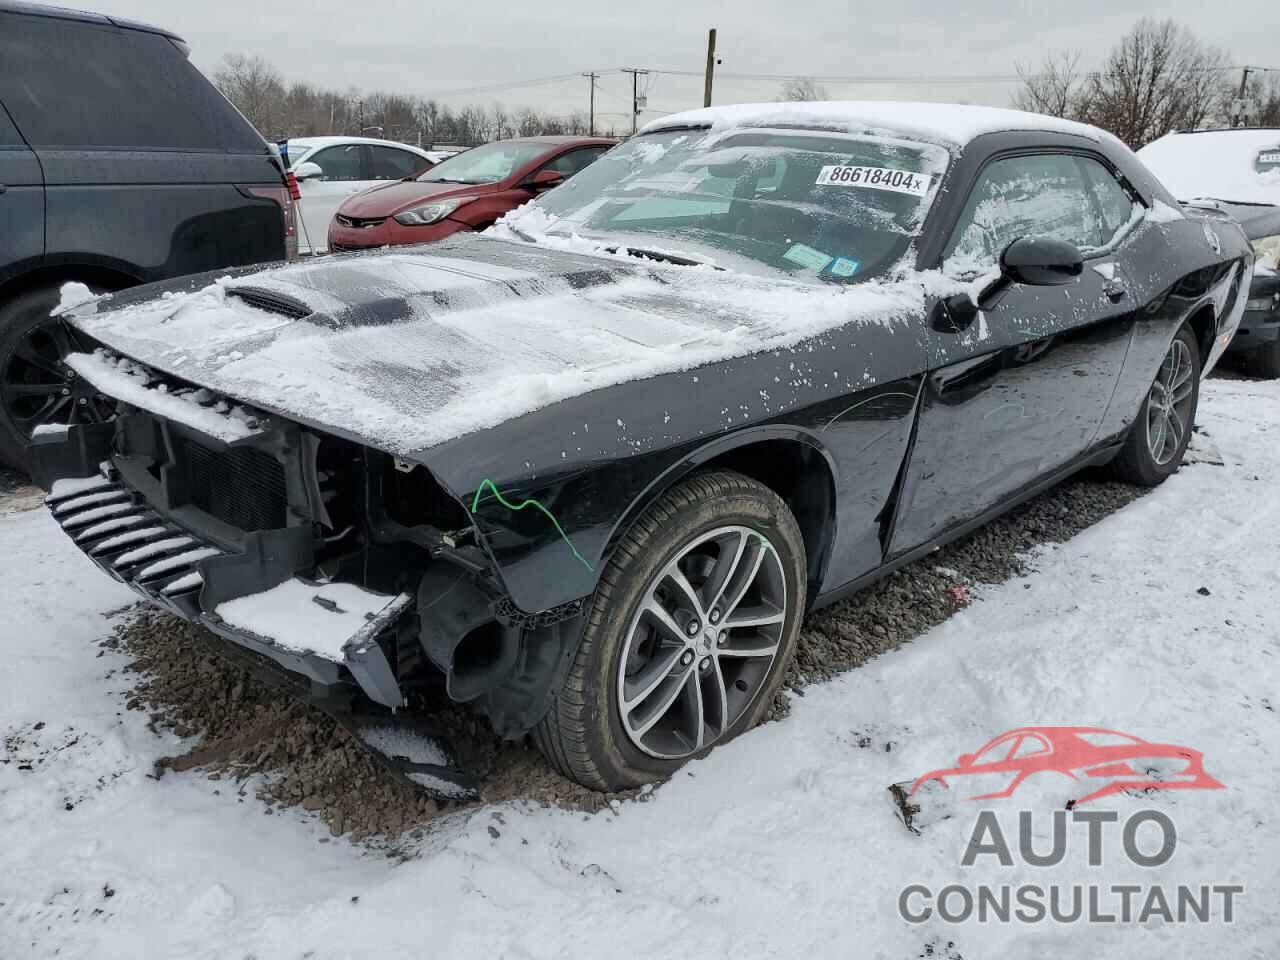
<point>466,192</point>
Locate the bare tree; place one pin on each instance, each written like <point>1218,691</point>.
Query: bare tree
<point>255,87</point>
<point>1158,78</point>
<point>1053,89</point>
<point>299,110</point>
<point>803,88</point>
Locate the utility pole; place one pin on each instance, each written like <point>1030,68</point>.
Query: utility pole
<point>1244,83</point>
<point>711,67</point>
<point>591,108</point>
<point>637,101</point>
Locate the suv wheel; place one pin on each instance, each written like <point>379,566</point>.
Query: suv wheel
<point>36,388</point>
<point>693,625</point>
<point>1160,435</point>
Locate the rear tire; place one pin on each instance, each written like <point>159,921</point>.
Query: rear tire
<point>1263,361</point>
<point>648,641</point>
<point>35,388</point>
<point>1160,434</point>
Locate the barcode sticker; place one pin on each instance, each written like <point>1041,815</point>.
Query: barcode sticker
<point>875,178</point>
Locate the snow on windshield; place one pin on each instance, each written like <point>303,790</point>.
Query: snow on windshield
<point>811,204</point>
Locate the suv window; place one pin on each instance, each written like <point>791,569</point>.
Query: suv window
<point>77,85</point>
<point>388,163</point>
<point>1043,195</point>
<point>339,163</point>
<point>570,163</point>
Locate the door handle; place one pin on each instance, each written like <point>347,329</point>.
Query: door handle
<point>3,188</point>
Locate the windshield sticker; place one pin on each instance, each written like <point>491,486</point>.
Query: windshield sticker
<point>844,267</point>
<point>807,257</point>
<point>875,178</point>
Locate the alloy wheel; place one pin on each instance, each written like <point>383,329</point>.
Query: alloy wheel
<point>702,643</point>
<point>38,389</point>
<point>1169,404</point>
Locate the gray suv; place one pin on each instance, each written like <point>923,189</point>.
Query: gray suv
<point>120,164</point>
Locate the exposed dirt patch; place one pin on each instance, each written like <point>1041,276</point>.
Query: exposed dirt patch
<point>17,492</point>
<point>247,728</point>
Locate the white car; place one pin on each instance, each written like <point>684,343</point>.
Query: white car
<point>330,169</point>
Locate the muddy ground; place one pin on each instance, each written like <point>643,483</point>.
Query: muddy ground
<point>250,738</point>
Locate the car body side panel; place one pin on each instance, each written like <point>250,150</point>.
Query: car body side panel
<point>166,214</point>
<point>21,203</point>
<point>1185,277</point>
<point>595,462</point>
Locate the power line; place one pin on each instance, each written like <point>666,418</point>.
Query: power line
<point>535,81</point>
<point>891,80</point>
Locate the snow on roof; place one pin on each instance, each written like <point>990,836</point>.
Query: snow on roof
<point>1221,164</point>
<point>947,123</point>
<point>311,143</point>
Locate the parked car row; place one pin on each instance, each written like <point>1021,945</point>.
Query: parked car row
<point>358,193</point>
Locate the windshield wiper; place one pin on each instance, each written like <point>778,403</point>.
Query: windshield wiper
<point>522,234</point>
<point>448,180</point>
<point>658,255</point>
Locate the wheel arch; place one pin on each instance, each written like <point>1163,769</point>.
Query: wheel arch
<point>789,461</point>
<point>95,274</point>
<point>1204,323</point>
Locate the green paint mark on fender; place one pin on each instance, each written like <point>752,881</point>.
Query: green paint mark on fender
<point>475,502</point>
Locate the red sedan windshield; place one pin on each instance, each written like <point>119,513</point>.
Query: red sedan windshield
<point>487,164</point>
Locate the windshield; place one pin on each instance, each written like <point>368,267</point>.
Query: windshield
<point>809,204</point>
<point>487,164</point>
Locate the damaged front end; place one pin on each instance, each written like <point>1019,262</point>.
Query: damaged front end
<point>357,573</point>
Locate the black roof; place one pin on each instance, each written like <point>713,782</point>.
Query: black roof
<point>66,13</point>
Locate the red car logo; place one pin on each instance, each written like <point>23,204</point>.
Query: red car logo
<point>1106,761</point>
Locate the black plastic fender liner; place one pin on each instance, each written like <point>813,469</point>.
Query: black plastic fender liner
<point>527,655</point>
<point>460,633</point>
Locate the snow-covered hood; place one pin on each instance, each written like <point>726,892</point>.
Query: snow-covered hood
<point>404,350</point>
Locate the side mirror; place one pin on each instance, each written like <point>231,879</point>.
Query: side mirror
<point>308,171</point>
<point>1041,262</point>
<point>545,180</point>
<point>964,760</point>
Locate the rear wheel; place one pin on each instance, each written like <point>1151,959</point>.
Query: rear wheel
<point>1263,361</point>
<point>36,387</point>
<point>692,627</point>
<point>1160,435</point>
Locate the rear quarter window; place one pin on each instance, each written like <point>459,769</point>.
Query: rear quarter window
<point>85,85</point>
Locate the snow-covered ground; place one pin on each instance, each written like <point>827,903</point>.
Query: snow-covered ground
<point>782,844</point>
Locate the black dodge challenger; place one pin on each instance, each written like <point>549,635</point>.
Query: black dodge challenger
<point>589,471</point>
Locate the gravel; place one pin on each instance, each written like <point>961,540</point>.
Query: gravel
<point>253,738</point>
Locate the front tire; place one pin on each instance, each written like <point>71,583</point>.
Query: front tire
<point>693,624</point>
<point>1153,452</point>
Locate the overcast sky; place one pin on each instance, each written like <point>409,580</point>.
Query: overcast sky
<point>429,47</point>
